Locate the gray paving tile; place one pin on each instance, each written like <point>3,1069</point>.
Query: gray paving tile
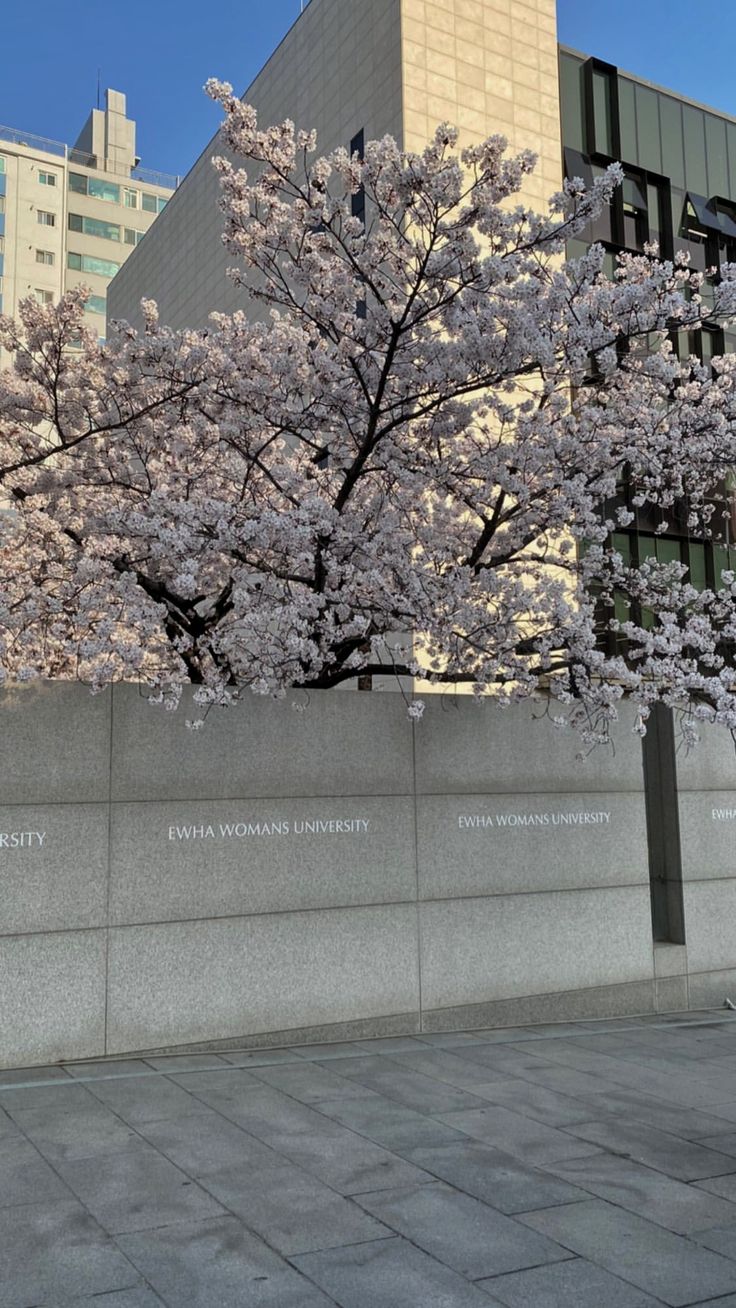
<point>724,1112</point>
<point>389,1124</point>
<point>228,1079</point>
<point>722,1143</point>
<point>21,1075</point>
<point>186,1062</point>
<point>323,1052</point>
<point>389,1274</point>
<point>84,1133</point>
<point>444,1065</point>
<point>103,1068</point>
<point>218,1264</point>
<point>670,1203</point>
<point>459,1231</point>
<point>258,1057</point>
<point>345,1161</point>
<point>522,1136</point>
<point>60,1098</point>
<point>392,1045</point>
<point>725,1186</point>
<point>422,1093</point>
<point>135,1190</point>
<point>536,1101</point>
<point>573,1284</point>
<point>720,1241</point>
<point>142,1298</point>
<point>667,1153</point>
<point>143,1099</point>
<point>667,1266</point>
<point>203,1142</point>
<point>523,1060</point>
<point>496,1177</point>
<point>309,1082</point>
<point>728,1302</point>
<point>688,1123</point>
<point>8,1127</point>
<point>293,1211</point>
<point>24,1176</point>
<point>48,1245</point>
<point>449,1039</point>
<point>264,1112</point>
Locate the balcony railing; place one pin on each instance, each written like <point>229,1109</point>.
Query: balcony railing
<point>148,176</point>
<point>33,142</point>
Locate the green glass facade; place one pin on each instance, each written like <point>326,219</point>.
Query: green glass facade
<point>680,191</point>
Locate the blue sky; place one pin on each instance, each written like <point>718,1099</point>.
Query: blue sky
<point>161,51</point>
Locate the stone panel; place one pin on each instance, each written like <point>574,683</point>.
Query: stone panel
<point>571,1005</point>
<point>475,950</point>
<point>708,833</point>
<point>711,765</point>
<point>473,747</point>
<point>349,744</point>
<point>712,989</point>
<point>710,918</point>
<point>184,982</point>
<point>173,861</point>
<point>53,997</point>
<point>476,845</point>
<point>53,867</point>
<point>55,744</point>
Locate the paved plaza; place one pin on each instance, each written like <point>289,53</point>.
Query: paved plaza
<point>591,1165</point>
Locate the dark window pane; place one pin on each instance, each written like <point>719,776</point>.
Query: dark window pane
<point>670,117</point>
<point>694,136</point>
<point>697,566</point>
<point>74,261</point>
<point>78,182</point>
<point>627,121</point>
<point>75,222</point>
<point>572,105</point>
<point>602,112</point>
<point>149,202</point>
<point>715,140</point>
<point>647,128</point>
<point>668,551</point>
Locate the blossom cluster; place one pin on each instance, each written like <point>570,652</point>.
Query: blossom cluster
<point>420,422</point>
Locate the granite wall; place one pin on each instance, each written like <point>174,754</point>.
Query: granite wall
<point>331,872</point>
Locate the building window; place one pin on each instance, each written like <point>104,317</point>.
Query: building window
<point>46,219</point>
<point>2,204</point>
<point>131,236</point>
<point>90,264</point>
<point>130,198</point>
<point>357,201</point>
<point>102,190</point>
<point>149,203</point>
<point>94,227</point>
<point>47,179</point>
<point>44,297</point>
<point>2,163</point>
<point>96,187</point>
<point>45,256</point>
<point>96,304</point>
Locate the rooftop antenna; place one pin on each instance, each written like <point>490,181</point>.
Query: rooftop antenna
<point>98,88</point>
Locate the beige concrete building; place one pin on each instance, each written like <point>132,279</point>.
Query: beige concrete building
<point>72,215</point>
<point>376,66</point>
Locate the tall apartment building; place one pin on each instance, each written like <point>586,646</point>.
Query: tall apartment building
<point>376,67</point>
<point>72,215</point>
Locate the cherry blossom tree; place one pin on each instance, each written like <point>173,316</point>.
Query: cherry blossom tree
<point>420,423</point>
